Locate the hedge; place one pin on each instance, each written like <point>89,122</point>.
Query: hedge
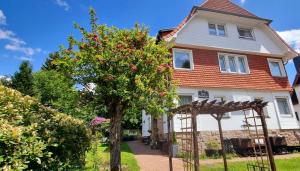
<point>34,137</point>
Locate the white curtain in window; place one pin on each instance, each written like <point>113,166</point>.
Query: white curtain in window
<point>283,106</point>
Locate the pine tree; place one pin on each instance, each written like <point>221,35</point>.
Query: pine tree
<point>23,80</point>
<point>48,64</point>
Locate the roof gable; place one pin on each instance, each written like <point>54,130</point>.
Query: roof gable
<point>219,6</point>
<point>226,6</point>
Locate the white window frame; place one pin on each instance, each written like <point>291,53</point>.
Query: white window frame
<point>227,67</point>
<point>287,115</point>
<point>187,95</point>
<point>282,69</point>
<point>226,115</point>
<point>190,52</point>
<point>246,28</point>
<point>217,30</point>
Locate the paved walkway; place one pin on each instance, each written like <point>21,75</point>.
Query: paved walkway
<point>152,160</point>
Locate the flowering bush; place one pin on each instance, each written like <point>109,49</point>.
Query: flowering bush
<point>33,137</point>
<point>97,121</point>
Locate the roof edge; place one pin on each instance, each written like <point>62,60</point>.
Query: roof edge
<point>234,14</point>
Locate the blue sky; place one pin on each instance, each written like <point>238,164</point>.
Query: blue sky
<point>32,29</point>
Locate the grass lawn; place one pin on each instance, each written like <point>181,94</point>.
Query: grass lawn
<point>292,164</point>
<point>100,159</point>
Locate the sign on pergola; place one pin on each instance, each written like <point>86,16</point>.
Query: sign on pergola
<point>217,110</point>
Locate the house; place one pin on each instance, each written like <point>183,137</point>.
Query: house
<point>295,95</point>
<point>225,52</point>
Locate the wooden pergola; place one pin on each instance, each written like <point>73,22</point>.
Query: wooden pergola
<point>217,111</point>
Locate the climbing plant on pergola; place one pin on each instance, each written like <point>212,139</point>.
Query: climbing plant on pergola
<point>217,111</point>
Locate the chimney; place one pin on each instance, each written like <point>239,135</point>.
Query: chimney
<point>297,64</point>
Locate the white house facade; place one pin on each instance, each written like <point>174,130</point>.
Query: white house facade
<point>229,54</point>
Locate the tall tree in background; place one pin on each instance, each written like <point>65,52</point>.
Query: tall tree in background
<point>55,90</point>
<point>129,70</point>
<point>23,79</point>
<point>48,65</point>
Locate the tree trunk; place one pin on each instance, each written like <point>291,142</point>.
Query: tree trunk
<point>116,112</point>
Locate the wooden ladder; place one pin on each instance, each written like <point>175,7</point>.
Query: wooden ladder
<point>253,126</point>
<point>187,141</point>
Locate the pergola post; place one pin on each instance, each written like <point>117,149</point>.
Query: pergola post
<point>170,143</point>
<point>219,117</point>
<point>260,112</point>
<point>195,140</point>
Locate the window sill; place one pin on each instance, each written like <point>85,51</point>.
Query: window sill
<point>183,69</point>
<point>286,115</point>
<point>218,35</point>
<point>244,38</point>
<point>234,73</point>
<point>279,76</point>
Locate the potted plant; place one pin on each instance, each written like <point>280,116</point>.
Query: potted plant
<point>212,149</point>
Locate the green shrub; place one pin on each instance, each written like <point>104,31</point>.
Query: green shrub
<point>39,138</point>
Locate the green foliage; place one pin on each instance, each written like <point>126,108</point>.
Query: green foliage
<point>98,158</point>
<point>23,80</point>
<point>6,81</point>
<point>127,66</point>
<point>55,90</point>
<point>288,164</point>
<point>213,145</point>
<point>58,91</point>
<point>39,138</point>
<point>48,65</point>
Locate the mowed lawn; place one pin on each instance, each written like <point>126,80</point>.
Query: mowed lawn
<point>292,164</point>
<point>102,156</point>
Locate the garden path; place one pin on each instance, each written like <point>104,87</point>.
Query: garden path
<point>152,160</point>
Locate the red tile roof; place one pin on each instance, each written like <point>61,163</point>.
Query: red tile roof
<point>226,6</point>
<point>221,6</point>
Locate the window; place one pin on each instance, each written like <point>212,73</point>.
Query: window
<point>183,59</point>
<point>183,100</point>
<point>221,99</point>
<point>283,106</point>
<point>246,33</point>
<point>276,68</point>
<point>233,63</point>
<point>242,64</point>
<point>222,62</point>
<point>217,29</point>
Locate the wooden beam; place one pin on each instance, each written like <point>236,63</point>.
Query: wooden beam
<point>195,141</point>
<point>170,143</point>
<point>222,143</point>
<point>260,112</point>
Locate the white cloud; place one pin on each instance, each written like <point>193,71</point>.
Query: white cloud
<point>242,1</point>
<point>18,48</point>
<point>292,37</point>
<point>2,18</point>
<point>63,3</point>
<point>16,44</point>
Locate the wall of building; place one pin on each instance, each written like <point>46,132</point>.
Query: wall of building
<point>206,73</point>
<point>205,137</point>
<point>196,33</point>
<point>235,119</point>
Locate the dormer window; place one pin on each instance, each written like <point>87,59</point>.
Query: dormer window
<point>217,29</point>
<point>183,59</point>
<point>246,33</point>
